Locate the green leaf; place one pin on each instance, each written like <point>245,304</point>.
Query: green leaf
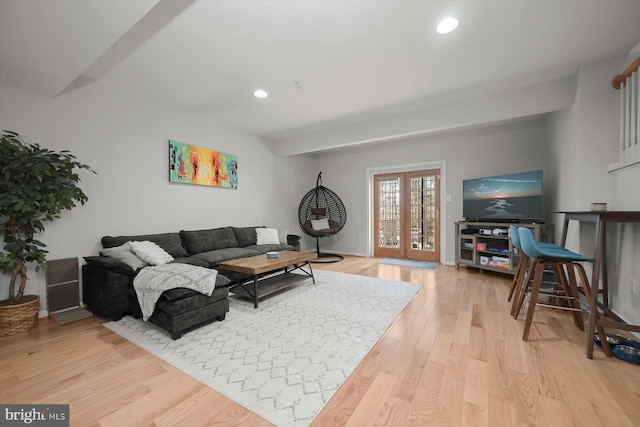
<point>37,185</point>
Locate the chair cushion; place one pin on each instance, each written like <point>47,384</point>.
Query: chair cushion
<point>546,252</point>
<point>515,237</point>
<point>334,227</point>
<point>320,224</point>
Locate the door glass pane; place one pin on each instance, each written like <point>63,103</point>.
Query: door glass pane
<point>423,213</point>
<point>389,213</point>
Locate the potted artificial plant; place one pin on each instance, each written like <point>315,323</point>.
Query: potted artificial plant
<point>36,184</point>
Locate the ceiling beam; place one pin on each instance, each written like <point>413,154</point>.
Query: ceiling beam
<point>497,107</point>
<point>154,20</point>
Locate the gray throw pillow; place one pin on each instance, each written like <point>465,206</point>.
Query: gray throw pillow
<point>246,236</point>
<point>123,253</point>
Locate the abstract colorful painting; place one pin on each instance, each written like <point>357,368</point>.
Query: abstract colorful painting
<point>197,165</point>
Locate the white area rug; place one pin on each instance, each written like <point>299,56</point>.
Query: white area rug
<point>287,358</point>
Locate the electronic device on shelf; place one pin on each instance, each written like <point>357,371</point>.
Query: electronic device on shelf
<point>486,245</point>
<point>515,197</point>
<point>500,232</point>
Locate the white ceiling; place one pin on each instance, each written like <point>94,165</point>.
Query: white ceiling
<point>353,59</point>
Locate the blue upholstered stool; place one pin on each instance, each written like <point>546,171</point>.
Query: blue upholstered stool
<point>564,263</point>
<point>522,279</point>
<point>521,269</point>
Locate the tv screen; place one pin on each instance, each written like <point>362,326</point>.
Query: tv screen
<point>516,196</point>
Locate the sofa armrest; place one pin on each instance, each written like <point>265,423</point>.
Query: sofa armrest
<point>105,291</point>
<point>111,264</point>
<point>294,240</point>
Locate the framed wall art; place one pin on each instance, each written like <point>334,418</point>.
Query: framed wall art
<point>191,164</point>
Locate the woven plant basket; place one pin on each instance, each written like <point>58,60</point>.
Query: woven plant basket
<point>17,318</point>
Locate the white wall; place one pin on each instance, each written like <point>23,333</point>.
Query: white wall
<point>472,153</point>
<point>467,108</point>
<point>564,156</point>
<point>126,143</point>
<point>584,141</point>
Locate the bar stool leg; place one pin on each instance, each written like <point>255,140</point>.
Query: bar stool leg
<point>524,285</point>
<point>575,294</point>
<point>568,294</point>
<point>561,278</point>
<point>518,277</point>
<point>587,292</point>
<point>535,290</point>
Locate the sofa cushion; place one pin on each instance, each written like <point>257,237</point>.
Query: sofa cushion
<point>191,302</point>
<point>198,241</point>
<point>180,293</point>
<point>191,261</point>
<point>263,249</point>
<point>109,263</point>
<point>214,258</point>
<point>170,242</point>
<point>246,236</point>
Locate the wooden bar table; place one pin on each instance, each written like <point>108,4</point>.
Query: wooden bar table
<point>609,319</point>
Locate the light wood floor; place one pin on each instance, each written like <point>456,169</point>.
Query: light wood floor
<point>454,357</point>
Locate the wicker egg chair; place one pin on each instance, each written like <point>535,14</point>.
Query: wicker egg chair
<point>321,213</point>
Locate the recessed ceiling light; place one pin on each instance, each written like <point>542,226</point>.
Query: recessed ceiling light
<point>447,25</point>
<point>260,93</point>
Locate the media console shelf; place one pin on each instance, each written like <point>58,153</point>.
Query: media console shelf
<point>478,246</point>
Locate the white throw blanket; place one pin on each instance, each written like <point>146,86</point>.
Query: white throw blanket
<point>151,282</point>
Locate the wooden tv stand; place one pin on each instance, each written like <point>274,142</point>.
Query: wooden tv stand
<point>491,251</point>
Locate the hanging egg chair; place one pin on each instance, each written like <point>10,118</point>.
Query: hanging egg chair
<point>321,213</point>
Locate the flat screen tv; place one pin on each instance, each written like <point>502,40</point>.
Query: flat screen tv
<point>515,197</point>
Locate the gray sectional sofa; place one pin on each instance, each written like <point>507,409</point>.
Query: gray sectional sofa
<point>107,283</point>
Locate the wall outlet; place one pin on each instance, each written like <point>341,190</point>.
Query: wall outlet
<point>632,286</point>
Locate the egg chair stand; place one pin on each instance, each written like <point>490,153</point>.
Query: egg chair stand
<point>321,214</point>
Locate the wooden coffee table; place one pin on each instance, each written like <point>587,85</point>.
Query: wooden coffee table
<point>260,266</point>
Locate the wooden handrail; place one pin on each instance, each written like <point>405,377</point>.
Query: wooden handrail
<point>619,80</point>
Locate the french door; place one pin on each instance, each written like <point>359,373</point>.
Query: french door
<point>407,215</point>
